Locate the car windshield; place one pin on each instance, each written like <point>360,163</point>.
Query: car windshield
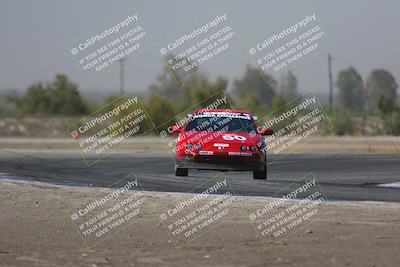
<point>226,124</point>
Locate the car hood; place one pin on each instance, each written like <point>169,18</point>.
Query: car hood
<point>224,138</point>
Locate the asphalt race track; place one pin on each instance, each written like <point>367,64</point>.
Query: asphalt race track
<point>341,177</point>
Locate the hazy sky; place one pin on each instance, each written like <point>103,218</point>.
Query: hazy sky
<point>34,35</point>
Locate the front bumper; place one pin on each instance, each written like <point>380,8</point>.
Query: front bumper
<point>230,163</point>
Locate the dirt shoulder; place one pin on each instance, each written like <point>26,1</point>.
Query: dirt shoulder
<point>36,230</point>
<point>322,144</point>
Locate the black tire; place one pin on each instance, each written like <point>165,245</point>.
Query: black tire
<point>263,173</point>
<point>181,171</point>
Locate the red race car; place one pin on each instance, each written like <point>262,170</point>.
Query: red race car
<point>221,139</point>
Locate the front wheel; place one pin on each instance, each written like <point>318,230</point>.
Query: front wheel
<point>263,173</point>
<point>181,171</point>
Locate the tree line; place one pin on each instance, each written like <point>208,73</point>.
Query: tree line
<point>377,95</point>
<point>254,91</point>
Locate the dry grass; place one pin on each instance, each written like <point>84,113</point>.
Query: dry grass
<point>324,144</point>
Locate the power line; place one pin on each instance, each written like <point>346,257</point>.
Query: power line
<point>330,81</point>
<point>121,75</point>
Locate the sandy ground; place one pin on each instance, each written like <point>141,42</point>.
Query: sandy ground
<point>331,144</point>
<point>36,230</point>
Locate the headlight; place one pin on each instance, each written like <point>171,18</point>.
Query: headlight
<point>243,148</point>
<point>252,148</point>
<point>197,147</point>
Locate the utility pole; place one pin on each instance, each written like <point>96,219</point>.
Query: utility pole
<point>330,80</point>
<point>121,75</point>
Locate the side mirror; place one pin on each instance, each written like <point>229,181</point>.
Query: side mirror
<point>176,129</point>
<point>267,131</point>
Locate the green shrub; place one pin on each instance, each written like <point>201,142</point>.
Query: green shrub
<point>342,123</point>
<point>391,123</point>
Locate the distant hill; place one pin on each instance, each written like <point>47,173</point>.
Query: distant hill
<point>94,95</point>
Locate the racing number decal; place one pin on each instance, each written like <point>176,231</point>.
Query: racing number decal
<point>231,137</point>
